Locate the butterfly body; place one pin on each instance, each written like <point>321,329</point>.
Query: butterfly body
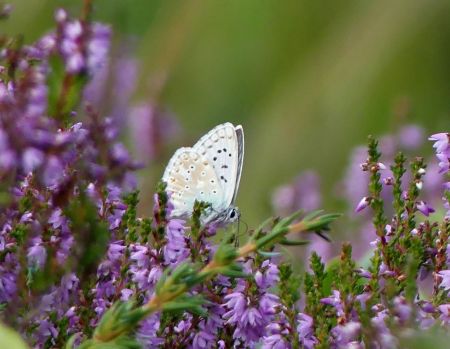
<point>210,171</point>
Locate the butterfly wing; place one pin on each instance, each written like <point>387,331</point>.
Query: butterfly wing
<point>189,177</point>
<point>223,146</point>
<point>240,141</point>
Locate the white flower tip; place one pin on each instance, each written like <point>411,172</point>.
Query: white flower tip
<point>365,201</point>
<point>60,15</point>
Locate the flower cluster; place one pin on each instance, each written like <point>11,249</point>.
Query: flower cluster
<point>442,146</point>
<point>80,268</point>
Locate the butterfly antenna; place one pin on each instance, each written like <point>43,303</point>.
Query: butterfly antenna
<point>238,231</point>
<point>246,226</point>
<point>236,236</point>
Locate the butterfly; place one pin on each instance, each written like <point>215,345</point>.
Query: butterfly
<point>210,171</point>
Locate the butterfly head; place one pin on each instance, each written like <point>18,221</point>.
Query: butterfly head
<point>230,215</point>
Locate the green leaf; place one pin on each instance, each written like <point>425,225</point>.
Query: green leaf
<point>268,254</point>
<point>287,242</point>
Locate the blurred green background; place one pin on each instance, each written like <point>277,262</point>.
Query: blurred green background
<point>308,80</point>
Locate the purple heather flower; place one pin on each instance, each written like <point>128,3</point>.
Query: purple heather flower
<point>442,146</point>
<point>175,251</point>
<point>53,171</point>
<point>364,273</point>
<point>445,283</point>
<point>37,254</point>
<point>363,298</point>
<point>305,331</point>
<point>98,46</point>
<point>71,50</point>
<point>250,314</point>
<point>277,334</point>
<point>73,318</point>
<point>120,154</point>
<point>140,255</point>
<point>385,339</point>
<point>385,271</point>
<point>402,309</point>
<point>444,162</point>
<point>126,294</point>
<point>31,159</point>
<point>147,333</point>
<point>444,311</point>
<point>275,341</point>
<point>206,336</point>
<point>46,330</point>
<point>424,208</point>
<point>425,315</point>
<point>82,47</point>
<point>9,269</point>
<point>145,270</point>
<point>345,334</point>
<point>335,301</point>
<point>267,276</point>
<point>442,141</point>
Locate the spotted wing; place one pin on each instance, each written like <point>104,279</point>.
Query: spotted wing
<point>189,177</point>
<point>224,148</point>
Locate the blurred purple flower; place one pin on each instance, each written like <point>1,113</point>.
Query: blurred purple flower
<point>150,128</point>
<point>302,194</point>
<point>32,158</point>
<point>384,336</point>
<point>83,47</point>
<point>355,183</point>
<point>411,137</point>
<point>53,171</point>
<point>37,254</point>
<point>402,309</point>
<point>346,335</point>
<point>148,332</point>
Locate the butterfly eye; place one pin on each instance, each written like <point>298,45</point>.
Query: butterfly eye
<point>233,214</point>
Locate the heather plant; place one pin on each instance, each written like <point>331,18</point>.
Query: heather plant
<point>80,269</point>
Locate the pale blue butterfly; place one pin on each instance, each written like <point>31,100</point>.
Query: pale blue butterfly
<point>210,171</point>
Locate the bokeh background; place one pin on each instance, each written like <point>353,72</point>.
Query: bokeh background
<point>308,80</point>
